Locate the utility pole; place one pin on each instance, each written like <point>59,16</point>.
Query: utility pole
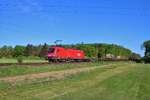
<point>56,42</point>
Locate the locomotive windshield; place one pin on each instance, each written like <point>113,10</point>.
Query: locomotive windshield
<point>51,50</point>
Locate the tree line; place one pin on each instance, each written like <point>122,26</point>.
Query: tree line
<point>102,50</point>
<point>95,50</point>
<point>19,50</point>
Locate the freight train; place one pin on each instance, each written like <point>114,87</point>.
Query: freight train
<point>61,54</point>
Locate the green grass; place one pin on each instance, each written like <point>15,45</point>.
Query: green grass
<point>19,70</point>
<point>119,82</point>
<point>25,60</point>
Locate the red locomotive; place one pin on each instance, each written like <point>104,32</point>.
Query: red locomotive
<point>61,54</point>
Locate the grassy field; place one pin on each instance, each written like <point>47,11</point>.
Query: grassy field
<point>26,60</point>
<point>120,81</point>
<point>19,70</point>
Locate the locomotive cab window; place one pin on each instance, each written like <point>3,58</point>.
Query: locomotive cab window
<point>51,50</point>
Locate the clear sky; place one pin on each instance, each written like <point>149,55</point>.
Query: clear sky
<point>123,22</point>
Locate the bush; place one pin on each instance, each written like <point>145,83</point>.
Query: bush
<point>20,59</point>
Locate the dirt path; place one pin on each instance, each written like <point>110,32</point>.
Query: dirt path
<point>54,74</point>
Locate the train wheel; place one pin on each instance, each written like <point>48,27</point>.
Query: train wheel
<point>50,60</point>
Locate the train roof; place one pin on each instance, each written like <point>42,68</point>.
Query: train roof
<point>64,48</point>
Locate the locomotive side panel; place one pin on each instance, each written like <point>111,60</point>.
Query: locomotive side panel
<point>56,53</point>
<point>75,54</point>
<point>61,53</point>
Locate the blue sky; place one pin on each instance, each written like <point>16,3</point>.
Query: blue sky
<point>123,22</point>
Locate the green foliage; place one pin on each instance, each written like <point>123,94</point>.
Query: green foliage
<point>134,57</point>
<point>6,51</point>
<point>101,50</point>
<point>146,45</point>
<point>43,51</point>
<point>96,50</point>
<point>32,50</point>
<point>20,59</point>
<point>29,50</point>
<point>19,51</point>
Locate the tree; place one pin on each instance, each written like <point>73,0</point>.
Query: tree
<point>43,51</point>
<point>134,57</point>
<point>6,51</point>
<point>146,45</point>
<point>29,50</point>
<point>101,52</point>
<point>19,51</point>
<point>37,50</point>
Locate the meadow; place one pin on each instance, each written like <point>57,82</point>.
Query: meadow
<point>20,70</point>
<point>25,60</point>
<point>108,81</point>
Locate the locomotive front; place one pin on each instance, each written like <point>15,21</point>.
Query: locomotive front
<point>51,53</point>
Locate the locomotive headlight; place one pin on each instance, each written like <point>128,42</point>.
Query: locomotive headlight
<point>49,55</point>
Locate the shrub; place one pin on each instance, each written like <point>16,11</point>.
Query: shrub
<point>20,59</point>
